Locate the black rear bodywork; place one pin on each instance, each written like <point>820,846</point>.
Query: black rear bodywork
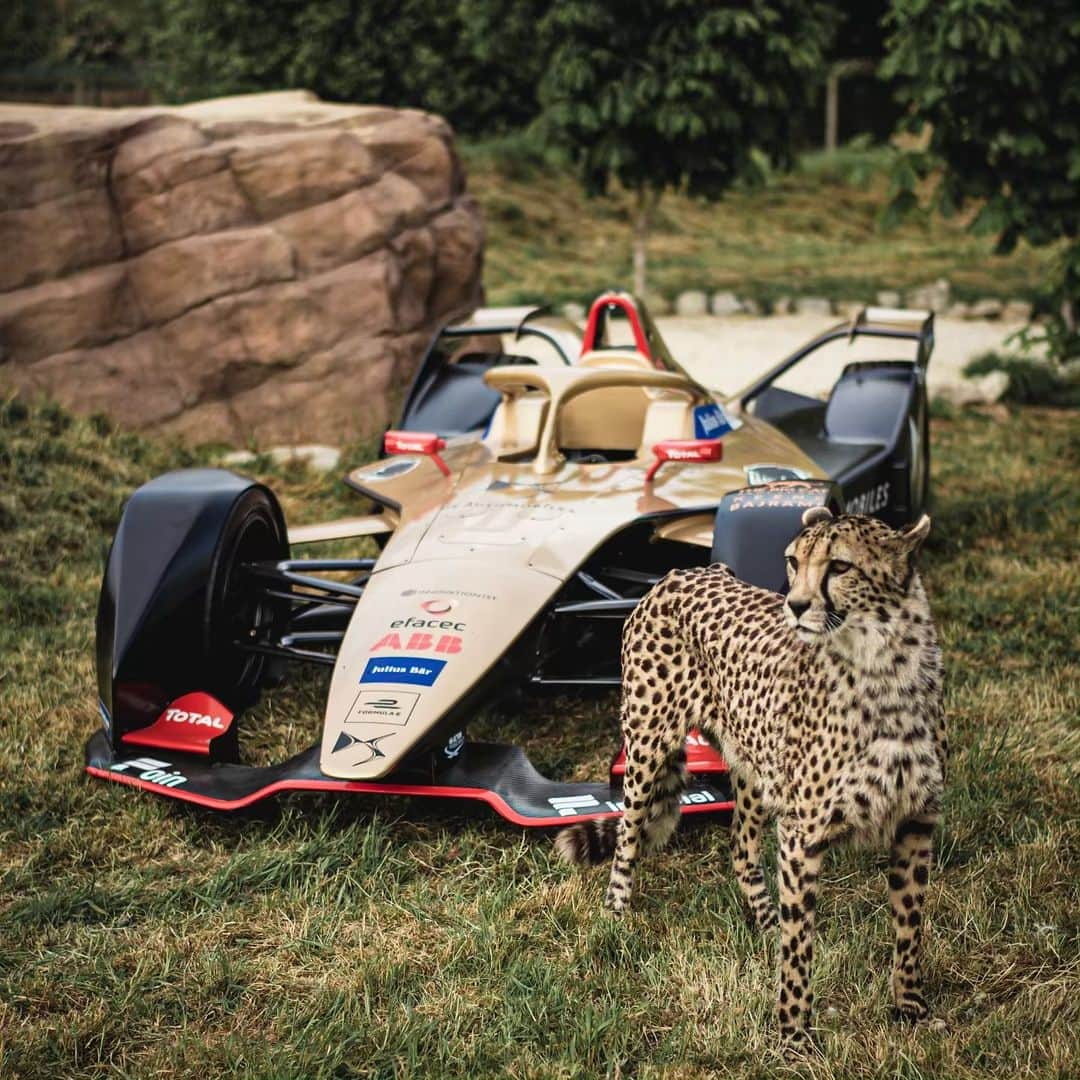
<point>871,436</point>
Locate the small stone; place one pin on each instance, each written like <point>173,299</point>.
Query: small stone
<point>890,298</point>
<point>987,308</point>
<point>996,412</point>
<point>959,310</point>
<point>813,305</point>
<point>574,312</point>
<point>783,305</point>
<point>992,385</point>
<point>725,303</point>
<point>692,302</point>
<point>1017,311</point>
<point>318,457</point>
<point>981,390</point>
<point>932,297</point>
<point>238,457</point>
<point>937,1024</point>
<point>657,303</point>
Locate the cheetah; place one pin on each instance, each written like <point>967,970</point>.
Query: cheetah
<point>828,709</point>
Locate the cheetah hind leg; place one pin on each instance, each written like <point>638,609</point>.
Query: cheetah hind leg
<point>651,791</point>
<point>748,830</point>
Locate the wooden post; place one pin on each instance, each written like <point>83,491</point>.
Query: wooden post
<point>832,107</point>
<point>643,212</point>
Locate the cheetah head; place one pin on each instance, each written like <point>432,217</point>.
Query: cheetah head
<point>848,573</point>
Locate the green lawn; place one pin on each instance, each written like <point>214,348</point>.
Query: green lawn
<point>142,938</point>
<point>814,231</point>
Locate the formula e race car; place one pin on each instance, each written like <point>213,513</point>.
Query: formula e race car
<point>539,481</point>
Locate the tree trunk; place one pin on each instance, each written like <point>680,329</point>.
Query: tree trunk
<point>643,212</point>
<point>832,108</point>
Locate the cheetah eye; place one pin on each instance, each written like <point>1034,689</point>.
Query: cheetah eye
<point>838,566</point>
<point>793,563</point>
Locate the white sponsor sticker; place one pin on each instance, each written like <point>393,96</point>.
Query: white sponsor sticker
<point>390,707</point>
<point>151,770</point>
<point>870,501</point>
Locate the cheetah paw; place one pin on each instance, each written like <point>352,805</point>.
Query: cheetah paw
<point>614,908</point>
<point>911,1009</point>
<point>798,1046</point>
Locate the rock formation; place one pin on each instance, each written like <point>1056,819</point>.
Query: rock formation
<point>266,267</point>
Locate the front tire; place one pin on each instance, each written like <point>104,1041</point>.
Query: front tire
<point>175,600</point>
<point>236,607</point>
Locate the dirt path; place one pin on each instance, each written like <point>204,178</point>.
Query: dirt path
<point>726,353</point>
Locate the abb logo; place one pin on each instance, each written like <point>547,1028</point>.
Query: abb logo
<point>181,716</point>
<point>444,643</point>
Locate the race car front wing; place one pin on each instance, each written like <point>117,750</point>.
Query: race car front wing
<point>501,776</point>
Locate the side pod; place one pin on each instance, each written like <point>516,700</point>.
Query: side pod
<point>169,574</point>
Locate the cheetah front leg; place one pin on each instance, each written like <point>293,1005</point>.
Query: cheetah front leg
<point>908,874</point>
<point>798,867</point>
<point>747,830</point>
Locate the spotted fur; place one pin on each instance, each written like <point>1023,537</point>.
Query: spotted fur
<point>827,707</point>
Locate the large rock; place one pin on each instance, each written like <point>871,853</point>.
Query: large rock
<point>264,267</point>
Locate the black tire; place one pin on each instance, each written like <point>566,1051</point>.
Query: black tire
<point>236,606</point>
<point>921,499</point>
<point>917,463</point>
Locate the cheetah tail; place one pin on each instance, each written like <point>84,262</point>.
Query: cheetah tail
<point>588,842</point>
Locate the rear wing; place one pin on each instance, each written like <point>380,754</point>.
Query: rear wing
<point>904,324</point>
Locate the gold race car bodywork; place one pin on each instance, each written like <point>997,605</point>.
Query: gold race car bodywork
<point>539,481</point>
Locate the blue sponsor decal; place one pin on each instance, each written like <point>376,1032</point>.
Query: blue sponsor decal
<point>710,422</point>
<point>415,670</point>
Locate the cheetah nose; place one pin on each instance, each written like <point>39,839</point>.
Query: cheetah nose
<point>798,606</point>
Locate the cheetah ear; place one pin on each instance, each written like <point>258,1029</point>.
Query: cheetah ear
<point>816,514</point>
<point>911,538</point>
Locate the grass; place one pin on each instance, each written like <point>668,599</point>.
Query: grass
<point>814,231</point>
<point>380,939</point>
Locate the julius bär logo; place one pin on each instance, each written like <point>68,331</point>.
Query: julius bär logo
<point>437,607</point>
